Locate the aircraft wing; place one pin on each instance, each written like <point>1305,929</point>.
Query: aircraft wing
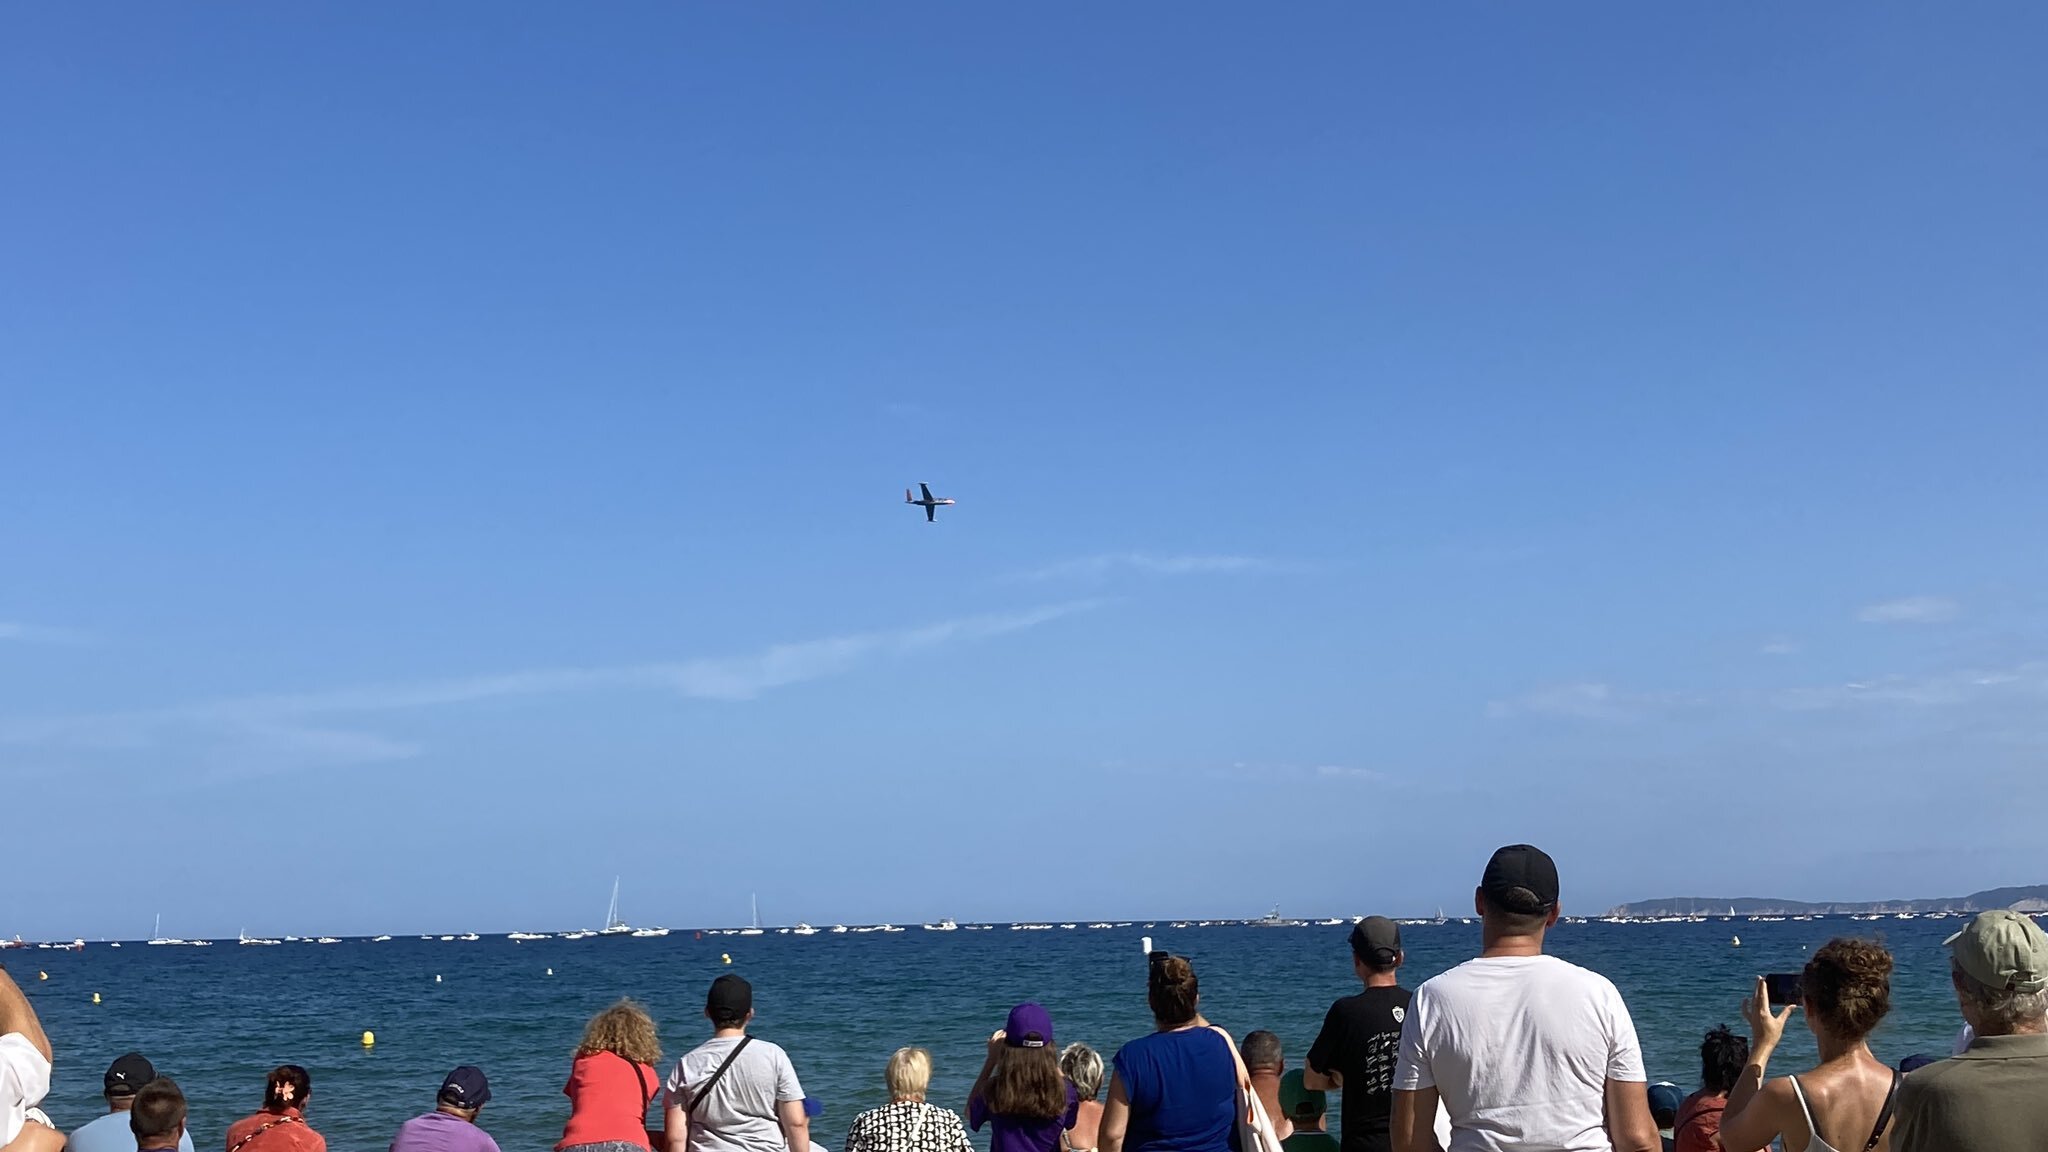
<point>925,490</point>
<point>931,513</point>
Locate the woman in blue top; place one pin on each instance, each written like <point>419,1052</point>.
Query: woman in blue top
<point>1177,1089</point>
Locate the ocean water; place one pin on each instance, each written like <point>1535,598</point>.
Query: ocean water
<point>216,1019</point>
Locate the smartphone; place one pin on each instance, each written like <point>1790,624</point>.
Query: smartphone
<point>1783,988</point>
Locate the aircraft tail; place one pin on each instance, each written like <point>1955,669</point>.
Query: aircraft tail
<point>906,497</point>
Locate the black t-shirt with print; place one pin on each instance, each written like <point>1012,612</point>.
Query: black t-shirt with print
<point>1360,1040</point>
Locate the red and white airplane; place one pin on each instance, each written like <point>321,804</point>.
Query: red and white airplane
<point>930,503</point>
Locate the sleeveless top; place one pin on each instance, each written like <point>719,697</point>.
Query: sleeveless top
<point>1813,1141</point>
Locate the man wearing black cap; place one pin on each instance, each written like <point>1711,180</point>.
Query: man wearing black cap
<point>1524,1050</point>
<point>1361,1036</point>
<point>734,1093</point>
<point>451,1126</point>
<point>126,1077</point>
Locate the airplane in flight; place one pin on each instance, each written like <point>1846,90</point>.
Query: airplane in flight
<point>930,503</point>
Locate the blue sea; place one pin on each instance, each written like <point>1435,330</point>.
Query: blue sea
<point>216,1019</point>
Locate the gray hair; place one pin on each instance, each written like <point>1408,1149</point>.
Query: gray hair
<point>2003,1010</point>
<point>1083,1067</point>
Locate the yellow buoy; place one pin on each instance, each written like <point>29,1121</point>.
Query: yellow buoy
<point>95,997</point>
<point>369,1039</point>
<point>725,956</point>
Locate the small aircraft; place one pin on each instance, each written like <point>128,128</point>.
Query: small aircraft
<point>930,503</point>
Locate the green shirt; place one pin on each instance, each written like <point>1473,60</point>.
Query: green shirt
<point>1989,1099</point>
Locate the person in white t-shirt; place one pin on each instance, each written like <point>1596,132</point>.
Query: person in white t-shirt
<point>1525,1051</point>
<point>24,1075</point>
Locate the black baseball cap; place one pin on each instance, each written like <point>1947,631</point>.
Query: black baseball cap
<point>1377,941</point>
<point>730,996</point>
<point>466,1087</point>
<point>127,1074</point>
<point>1521,879</point>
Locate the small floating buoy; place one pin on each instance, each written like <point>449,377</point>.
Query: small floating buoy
<point>1145,942</point>
<point>95,997</point>
<point>725,956</point>
<point>437,979</point>
<point>369,1039</point>
<point>1735,941</point>
<point>551,971</point>
<point>42,975</point>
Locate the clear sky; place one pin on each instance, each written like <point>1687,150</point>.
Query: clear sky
<point>450,456</point>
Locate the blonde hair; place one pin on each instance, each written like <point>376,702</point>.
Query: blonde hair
<point>624,1029</point>
<point>909,1072</point>
<point>1083,1067</point>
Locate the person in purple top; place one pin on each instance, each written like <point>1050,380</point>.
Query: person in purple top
<point>451,1126</point>
<point>1021,1093</point>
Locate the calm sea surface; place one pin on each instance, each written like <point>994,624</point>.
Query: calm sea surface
<point>216,1019</point>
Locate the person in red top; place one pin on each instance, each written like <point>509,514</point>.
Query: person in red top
<point>612,1082</point>
<point>1723,1055</point>
<point>281,1126</point>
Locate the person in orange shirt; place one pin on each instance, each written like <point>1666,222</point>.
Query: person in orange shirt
<point>612,1082</point>
<point>281,1125</point>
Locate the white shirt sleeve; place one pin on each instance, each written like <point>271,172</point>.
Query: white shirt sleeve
<point>674,1086</point>
<point>786,1086</point>
<point>1411,1070</point>
<point>24,1081</point>
<point>1624,1051</point>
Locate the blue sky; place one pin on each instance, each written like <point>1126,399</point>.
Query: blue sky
<point>450,458</point>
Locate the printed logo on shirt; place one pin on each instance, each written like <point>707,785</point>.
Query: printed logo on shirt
<point>1400,1014</point>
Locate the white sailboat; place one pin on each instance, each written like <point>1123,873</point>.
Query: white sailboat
<point>613,926</point>
<point>156,934</point>
<point>754,929</point>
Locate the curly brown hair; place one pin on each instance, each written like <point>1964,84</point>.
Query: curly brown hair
<point>1848,987</point>
<point>624,1028</point>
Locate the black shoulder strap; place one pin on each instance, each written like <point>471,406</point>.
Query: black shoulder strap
<point>718,1075</point>
<point>646,1093</point>
<point>1884,1118</point>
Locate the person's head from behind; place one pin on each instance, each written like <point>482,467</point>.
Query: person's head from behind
<point>624,1029</point>
<point>1999,967</point>
<point>1261,1052</point>
<point>158,1115</point>
<point>464,1092</point>
<point>730,1003</point>
<point>1082,1066</point>
<point>1665,1100</point>
<point>909,1074</point>
<point>1171,989</point>
<point>1517,894</point>
<point>1024,1080</point>
<point>1375,947</point>
<point>287,1086</point>
<point>1723,1056</point>
<point>126,1077</point>
<point>1847,988</point>
<point>1304,1107</point>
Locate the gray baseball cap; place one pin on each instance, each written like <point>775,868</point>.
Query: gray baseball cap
<point>2003,949</point>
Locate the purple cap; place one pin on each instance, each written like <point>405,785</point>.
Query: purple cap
<point>1030,1027</point>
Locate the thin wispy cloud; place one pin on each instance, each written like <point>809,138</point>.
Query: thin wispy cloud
<point>1911,610</point>
<point>2024,684</point>
<point>302,728</point>
<point>15,630</point>
<point>1151,564</point>
<point>1263,773</point>
<point>1779,646</point>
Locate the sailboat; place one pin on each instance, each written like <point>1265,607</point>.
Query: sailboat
<point>755,928</point>
<point>1440,919</point>
<point>613,926</point>
<point>156,934</point>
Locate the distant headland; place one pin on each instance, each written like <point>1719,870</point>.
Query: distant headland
<point>2027,898</point>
